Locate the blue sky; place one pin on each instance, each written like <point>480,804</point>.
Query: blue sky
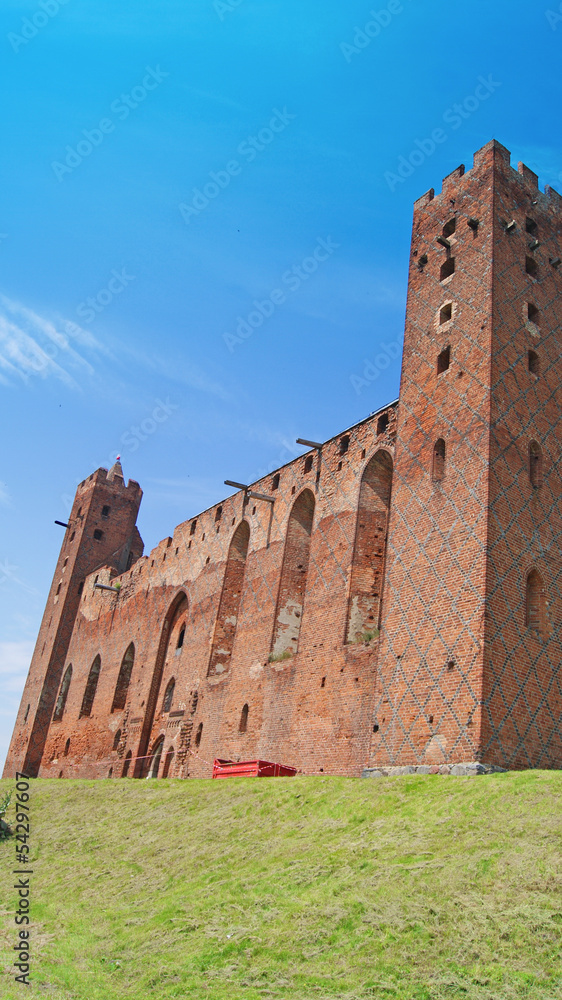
<point>164,167</point>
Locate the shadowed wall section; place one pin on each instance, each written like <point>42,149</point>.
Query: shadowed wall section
<point>227,618</point>
<point>367,573</point>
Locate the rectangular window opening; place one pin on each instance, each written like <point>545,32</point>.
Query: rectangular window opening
<point>447,269</point>
<point>531,226</point>
<point>449,227</point>
<point>446,313</point>
<point>531,267</point>
<point>444,360</point>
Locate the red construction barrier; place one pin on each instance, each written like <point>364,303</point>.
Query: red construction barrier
<point>251,769</point>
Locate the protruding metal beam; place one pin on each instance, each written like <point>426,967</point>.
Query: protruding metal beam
<point>238,486</point>
<point>102,586</point>
<point>260,496</point>
<point>62,524</point>
<point>310,444</point>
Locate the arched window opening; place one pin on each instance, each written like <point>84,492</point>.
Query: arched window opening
<point>292,585</point>
<point>126,764</point>
<point>156,757</point>
<point>198,734</point>
<point>438,466</point>
<point>173,622</point>
<point>445,313</point>
<point>63,695</point>
<point>91,688</point>
<point>181,637</point>
<point>124,679</point>
<point>243,720</point>
<point>535,465</point>
<point>116,739</point>
<point>534,610</point>
<point>168,696</point>
<point>168,760</point>
<point>369,552</point>
<point>66,747</point>
<point>533,362</point>
<point>230,600</point>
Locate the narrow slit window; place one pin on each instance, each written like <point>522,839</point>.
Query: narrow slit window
<point>275,481</point>
<point>533,362</point>
<point>63,695</point>
<point>127,764</point>
<point>446,313</point>
<point>169,696</point>
<point>444,360</point>
<point>308,463</point>
<point>535,465</point>
<point>533,314</point>
<point>243,720</point>
<point>218,514</point>
<point>344,444</point>
<point>193,528</point>
<point>447,269</point>
<point>116,739</point>
<point>531,267</point>
<point>105,511</point>
<point>181,638</point>
<point>439,456</point>
<point>534,610</point>
<point>198,734</point>
<point>449,227</point>
<point>91,688</point>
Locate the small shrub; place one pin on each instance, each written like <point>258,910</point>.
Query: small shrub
<point>5,829</point>
<point>276,657</point>
<point>368,635</point>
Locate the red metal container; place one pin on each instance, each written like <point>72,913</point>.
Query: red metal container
<point>251,769</point>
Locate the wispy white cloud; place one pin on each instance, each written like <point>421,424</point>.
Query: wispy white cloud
<point>178,370</point>
<point>31,345</point>
<point>8,574</point>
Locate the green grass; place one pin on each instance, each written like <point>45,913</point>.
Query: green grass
<point>411,888</point>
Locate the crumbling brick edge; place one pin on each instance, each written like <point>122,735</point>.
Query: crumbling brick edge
<point>470,769</point>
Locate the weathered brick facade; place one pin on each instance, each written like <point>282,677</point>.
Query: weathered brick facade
<point>395,601</point>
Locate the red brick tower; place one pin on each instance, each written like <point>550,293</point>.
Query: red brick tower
<point>101,531</point>
<point>470,645</point>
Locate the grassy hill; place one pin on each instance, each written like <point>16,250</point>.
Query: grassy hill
<point>411,887</point>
